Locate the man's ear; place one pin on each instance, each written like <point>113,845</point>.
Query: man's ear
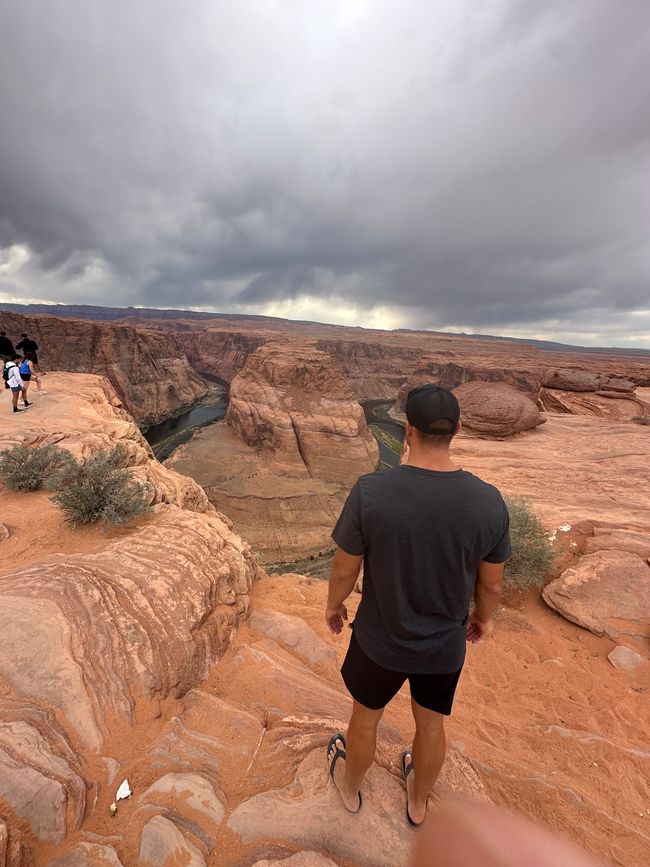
<point>458,427</point>
<point>408,436</point>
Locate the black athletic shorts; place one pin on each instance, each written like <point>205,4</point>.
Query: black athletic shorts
<point>374,686</point>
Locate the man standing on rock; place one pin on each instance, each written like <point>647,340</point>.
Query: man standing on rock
<point>430,536</point>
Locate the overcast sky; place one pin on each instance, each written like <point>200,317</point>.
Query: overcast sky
<point>479,166</point>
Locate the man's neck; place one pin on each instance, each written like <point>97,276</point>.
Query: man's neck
<point>431,459</point>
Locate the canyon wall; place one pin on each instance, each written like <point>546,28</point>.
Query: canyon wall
<point>291,400</point>
<point>294,442</point>
<point>149,370</point>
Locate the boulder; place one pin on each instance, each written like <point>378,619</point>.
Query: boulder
<point>292,632</point>
<point>578,379</point>
<point>607,592</point>
<point>624,658</point>
<point>496,409</point>
<point>452,374</point>
<point>606,539</point>
<point>162,844</point>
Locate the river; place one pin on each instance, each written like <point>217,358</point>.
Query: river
<point>166,437</point>
<point>388,433</point>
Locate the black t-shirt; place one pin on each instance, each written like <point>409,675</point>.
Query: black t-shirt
<point>423,534</point>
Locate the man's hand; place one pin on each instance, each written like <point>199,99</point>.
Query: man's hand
<point>477,629</point>
<point>334,618</point>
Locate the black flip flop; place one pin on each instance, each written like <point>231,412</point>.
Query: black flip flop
<point>339,754</point>
<point>406,770</point>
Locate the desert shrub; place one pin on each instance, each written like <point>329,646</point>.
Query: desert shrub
<point>29,468</point>
<point>532,554</point>
<point>641,419</point>
<point>99,490</point>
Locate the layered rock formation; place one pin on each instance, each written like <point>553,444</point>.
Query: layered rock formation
<point>579,379</point>
<point>294,442</point>
<point>93,642</point>
<point>291,401</point>
<point>615,405</point>
<point>149,370</point>
<point>495,409</point>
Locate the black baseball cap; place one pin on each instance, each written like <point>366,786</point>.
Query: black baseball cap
<point>429,404</point>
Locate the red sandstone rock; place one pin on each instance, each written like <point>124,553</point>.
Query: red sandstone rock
<point>496,409</point>
<point>452,374</point>
<point>615,405</point>
<point>87,855</point>
<point>578,379</point>
<point>148,370</point>
<point>292,632</point>
<point>163,845</point>
<point>608,592</point>
<point>290,400</point>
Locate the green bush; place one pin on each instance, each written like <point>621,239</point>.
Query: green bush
<point>29,468</point>
<point>532,554</point>
<point>98,490</point>
<point>641,419</point>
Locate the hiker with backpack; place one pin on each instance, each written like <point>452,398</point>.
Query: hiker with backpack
<point>12,379</point>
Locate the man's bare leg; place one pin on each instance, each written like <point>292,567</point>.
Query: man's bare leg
<point>429,747</point>
<point>361,744</point>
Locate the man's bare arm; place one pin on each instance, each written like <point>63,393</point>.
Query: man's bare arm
<point>487,595</point>
<point>343,576</point>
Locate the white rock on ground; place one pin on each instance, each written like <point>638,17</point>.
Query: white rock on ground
<point>624,658</point>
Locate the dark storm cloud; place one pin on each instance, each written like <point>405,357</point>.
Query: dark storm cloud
<point>470,165</point>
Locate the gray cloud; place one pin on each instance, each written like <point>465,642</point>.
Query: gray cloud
<point>479,166</point>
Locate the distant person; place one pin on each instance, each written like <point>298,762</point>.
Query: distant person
<point>27,345</point>
<point>430,536</point>
<point>7,350</point>
<point>30,357</point>
<point>13,381</point>
<point>27,372</point>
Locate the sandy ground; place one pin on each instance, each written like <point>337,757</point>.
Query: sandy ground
<point>553,729</point>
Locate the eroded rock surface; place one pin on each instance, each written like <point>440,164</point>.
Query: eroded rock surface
<point>95,641</point>
<point>290,400</point>
<point>496,409</point>
<point>82,414</point>
<point>148,369</point>
<point>579,379</point>
<point>294,442</point>
<point>607,592</point>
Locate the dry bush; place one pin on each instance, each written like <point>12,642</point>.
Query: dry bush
<point>532,554</point>
<point>29,468</point>
<point>98,490</point>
